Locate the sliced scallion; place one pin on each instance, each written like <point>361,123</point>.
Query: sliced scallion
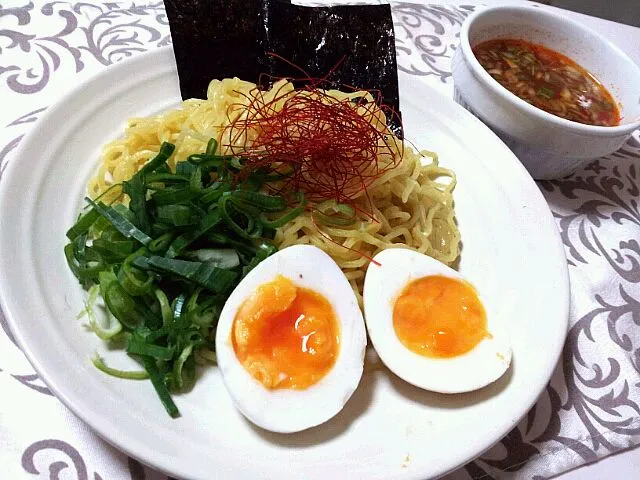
<point>165,263</point>
<point>98,362</point>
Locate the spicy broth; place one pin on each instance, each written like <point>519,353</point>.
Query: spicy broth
<point>548,80</point>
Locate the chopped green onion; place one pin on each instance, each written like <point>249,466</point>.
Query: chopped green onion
<point>546,92</point>
<point>165,178</point>
<point>158,265</point>
<point>130,313</point>
<point>136,282</point>
<point>98,362</point>
<point>83,224</point>
<point>235,212</point>
<point>195,182</point>
<point>212,146</point>
<point>218,257</point>
<point>124,226</point>
<point>166,150</point>
<point>178,366</point>
<point>332,213</point>
<point>105,332</point>
<point>137,192</point>
<point>117,248</point>
<point>266,203</point>
<point>161,243</point>
<point>177,215</point>
<point>165,307</point>
<point>157,379</point>
<point>209,221</point>
<point>138,346</point>
<point>83,272</point>
<point>213,192</point>
<point>178,306</point>
<point>213,278</point>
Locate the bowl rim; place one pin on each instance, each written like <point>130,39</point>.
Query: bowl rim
<point>483,76</point>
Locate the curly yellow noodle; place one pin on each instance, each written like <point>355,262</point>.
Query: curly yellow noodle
<point>411,204</point>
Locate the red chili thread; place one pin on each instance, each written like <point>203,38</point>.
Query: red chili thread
<point>329,148</point>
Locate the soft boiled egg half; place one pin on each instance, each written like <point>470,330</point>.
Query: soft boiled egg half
<point>430,326</point>
<point>291,340</point>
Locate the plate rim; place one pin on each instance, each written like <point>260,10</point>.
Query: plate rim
<point>109,432</point>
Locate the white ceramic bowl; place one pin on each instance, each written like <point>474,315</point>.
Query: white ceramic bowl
<point>547,145</point>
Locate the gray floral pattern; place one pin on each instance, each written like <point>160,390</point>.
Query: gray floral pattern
<point>39,55</point>
<point>422,46</point>
<point>591,407</point>
<point>57,467</point>
<point>115,32</point>
<point>33,382</point>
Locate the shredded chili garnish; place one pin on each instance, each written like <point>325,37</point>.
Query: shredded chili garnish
<point>328,148</point>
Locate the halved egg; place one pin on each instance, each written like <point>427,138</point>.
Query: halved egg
<point>430,326</point>
<point>291,340</point>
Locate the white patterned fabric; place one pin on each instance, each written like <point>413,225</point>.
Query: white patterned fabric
<point>591,407</point>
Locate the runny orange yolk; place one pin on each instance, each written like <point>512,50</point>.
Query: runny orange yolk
<point>438,316</point>
<point>286,336</point>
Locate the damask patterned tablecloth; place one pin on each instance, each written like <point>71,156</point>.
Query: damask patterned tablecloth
<point>591,407</point>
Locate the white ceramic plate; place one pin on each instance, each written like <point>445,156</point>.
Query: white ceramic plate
<point>389,429</point>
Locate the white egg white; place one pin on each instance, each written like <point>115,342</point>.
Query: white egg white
<point>288,410</point>
<point>475,369</point>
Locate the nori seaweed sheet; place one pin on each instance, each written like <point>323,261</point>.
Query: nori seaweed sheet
<point>232,38</point>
